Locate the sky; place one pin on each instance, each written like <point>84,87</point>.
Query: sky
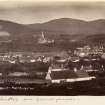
<point>29,12</point>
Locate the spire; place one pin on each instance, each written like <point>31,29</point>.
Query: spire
<point>43,35</point>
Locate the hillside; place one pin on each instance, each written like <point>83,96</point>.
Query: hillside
<point>14,36</point>
<point>71,26</point>
<point>68,33</point>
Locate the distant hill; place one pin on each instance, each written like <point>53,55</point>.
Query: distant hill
<point>87,32</point>
<point>15,36</point>
<point>15,30</point>
<point>71,26</point>
<point>66,32</point>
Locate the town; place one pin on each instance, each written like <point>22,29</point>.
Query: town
<point>91,60</point>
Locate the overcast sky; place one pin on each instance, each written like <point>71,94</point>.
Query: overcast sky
<point>33,12</point>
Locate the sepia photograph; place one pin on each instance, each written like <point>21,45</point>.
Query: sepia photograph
<point>52,48</point>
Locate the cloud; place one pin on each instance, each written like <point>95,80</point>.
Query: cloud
<point>27,13</point>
